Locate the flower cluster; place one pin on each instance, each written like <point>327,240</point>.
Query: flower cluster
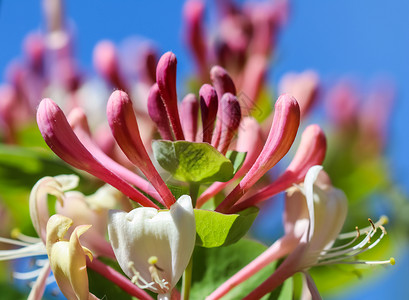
<point>169,178</point>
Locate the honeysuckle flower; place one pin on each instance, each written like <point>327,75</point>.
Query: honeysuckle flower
<point>282,134</point>
<point>230,120</point>
<point>314,215</point>
<point>158,114</point>
<point>68,258</point>
<point>154,247</point>
<point>310,152</point>
<point>60,137</point>
<point>124,127</point>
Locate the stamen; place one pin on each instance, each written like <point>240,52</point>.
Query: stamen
<point>16,234</point>
<point>153,269</point>
<point>137,276</point>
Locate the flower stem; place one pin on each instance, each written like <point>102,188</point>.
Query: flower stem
<point>121,281</point>
<point>187,280</point>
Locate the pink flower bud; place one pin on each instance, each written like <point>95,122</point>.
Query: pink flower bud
<point>189,110</point>
<point>231,118</point>
<point>60,137</point>
<point>281,137</point>
<point>222,81</point>
<point>208,109</point>
<point>310,152</point>
<point>106,63</point>
<point>166,79</point>
<point>121,119</point>
<point>147,60</point>
<point>157,112</point>
<point>34,48</point>
<point>195,36</point>
<point>253,78</point>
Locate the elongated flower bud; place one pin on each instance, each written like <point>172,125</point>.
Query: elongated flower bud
<point>79,124</point>
<point>208,108</point>
<point>231,111</point>
<point>189,110</point>
<point>106,63</point>
<point>121,119</point>
<point>166,79</point>
<point>60,137</point>
<point>279,141</point>
<point>310,152</point>
<point>158,114</point>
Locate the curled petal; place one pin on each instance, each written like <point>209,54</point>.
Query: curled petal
<point>68,258</point>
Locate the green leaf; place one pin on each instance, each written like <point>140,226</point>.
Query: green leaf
<point>236,158</point>
<point>213,266</point>
<point>193,162</point>
<point>216,229</point>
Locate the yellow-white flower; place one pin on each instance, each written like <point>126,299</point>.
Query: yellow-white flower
<point>153,247</point>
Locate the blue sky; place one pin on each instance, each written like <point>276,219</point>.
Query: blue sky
<point>361,38</point>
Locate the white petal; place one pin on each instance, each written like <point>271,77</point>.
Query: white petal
<point>309,180</point>
<point>145,232</point>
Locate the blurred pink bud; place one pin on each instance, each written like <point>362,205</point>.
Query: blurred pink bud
<point>166,79</point>
<point>189,110</point>
<point>121,119</point>
<point>208,108</point>
<point>310,152</point>
<point>231,117</point>
<point>249,141</point>
<point>303,86</point>
<point>222,81</point>
<point>342,104</point>
<point>281,137</point>
<point>158,114</point>
<point>147,61</point>
<point>8,110</point>
<point>107,64</point>
<point>195,36</point>
<point>34,48</point>
<point>60,137</point>
<point>253,78</point>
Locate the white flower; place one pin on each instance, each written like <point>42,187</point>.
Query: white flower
<point>153,247</point>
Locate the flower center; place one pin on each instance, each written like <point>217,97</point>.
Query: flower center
<point>157,284</point>
<point>347,253</point>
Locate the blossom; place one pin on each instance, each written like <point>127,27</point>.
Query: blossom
<point>68,258</point>
<point>314,215</point>
<point>153,247</point>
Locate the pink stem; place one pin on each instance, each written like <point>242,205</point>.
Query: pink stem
<point>121,281</point>
<point>280,248</point>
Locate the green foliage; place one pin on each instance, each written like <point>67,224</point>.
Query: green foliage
<point>216,229</point>
<point>213,266</point>
<point>193,162</point>
<point>236,158</point>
